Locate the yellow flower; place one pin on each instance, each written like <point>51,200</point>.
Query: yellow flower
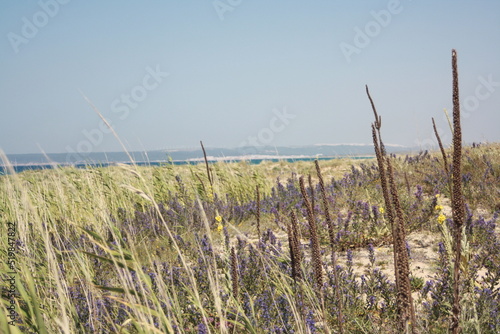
<point>219,227</point>
<point>438,208</point>
<point>441,218</point>
<point>218,218</point>
<point>381,210</point>
<point>438,195</point>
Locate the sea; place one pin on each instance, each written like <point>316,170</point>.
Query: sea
<point>17,163</point>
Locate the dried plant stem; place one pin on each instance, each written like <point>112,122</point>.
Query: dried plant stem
<point>443,153</point>
<point>296,259</point>
<point>258,210</point>
<point>234,273</point>
<point>385,193</point>
<point>316,255</point>
<point>293,244</point>
<point>404,289</point>
<point>311,188</point>
<point>208,168</point>
<point>278,219</point>
<point>406,312</point>
<point>331,235</point>
<point>458,206</point>
<point>292,251</point>
<point>297,247</point>
<point>326,209</point>
<point>201,182</point>
<point>407,182</point>
<point>378,122</point>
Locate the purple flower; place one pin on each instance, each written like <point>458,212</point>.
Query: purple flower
<point>371,254</point>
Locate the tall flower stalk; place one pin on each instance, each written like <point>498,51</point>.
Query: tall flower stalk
<point>234,273</point>
<point>257,214</point>
<point>443,153</point>
<point>316,255</point>
<point>404,301</point>
<point>331,235</point>
<point>457,200</point>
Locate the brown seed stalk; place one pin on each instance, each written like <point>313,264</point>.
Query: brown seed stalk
<point>405,300</point>
<point>407,182</point>
<point>208,168</point>
<point>293,244</point>
<point>258,211</point>
<point>313,204</point>
<point>406,313</point>
<point>296,242</point>
<point>331,235</point>
<point>443,153</point>
<point>316,255</point>
<point>385,193</point>
<point>458,206</point>
<point>234,272</point>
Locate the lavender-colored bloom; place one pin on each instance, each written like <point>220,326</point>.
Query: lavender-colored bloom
<point>408,249</point>
<point>419,192</point>
<point>375,212</point>
<point>311,322</point>
<point>226,237</point>
<point>206,247</point>
<point>441,249</point>
<point>466,178</point>
<point>371,302</point>
<point>371,254</point>
<point>349,257</point>
<point>202,328</point>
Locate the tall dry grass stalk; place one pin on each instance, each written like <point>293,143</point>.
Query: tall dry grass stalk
<point>296,260</point>
<point>385,188</point>
<point>257,214</point>
<point>293,244</point>
<point>315,253</point>
<point>331,235</point>
<point>457,200</point>
<point>404,301</point>
<point>326,209</point>
<point>443,153</point>
<point>311,188</point>
<point>209,174</point>
<point>234,273</point>
<point>407,182</point>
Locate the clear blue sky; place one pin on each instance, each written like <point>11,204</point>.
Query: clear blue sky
<point>167,74</point>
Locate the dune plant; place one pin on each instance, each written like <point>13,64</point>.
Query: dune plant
<point>257,211</point>
<point>331,235</point>
<point>458,205</point>
<point>443,153</point>
<point>313,230</point>
<point>401,262</point>
<point>294,246</point>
